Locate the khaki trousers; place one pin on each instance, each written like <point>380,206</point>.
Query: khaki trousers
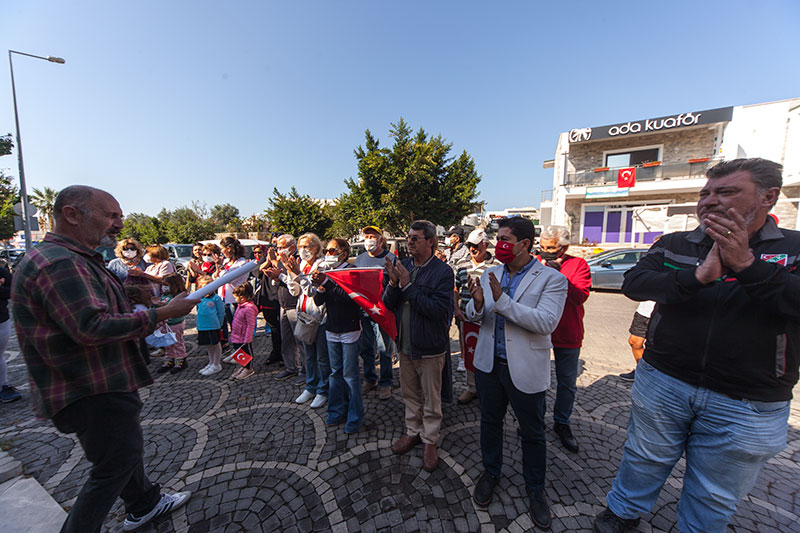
<point>421,388</point>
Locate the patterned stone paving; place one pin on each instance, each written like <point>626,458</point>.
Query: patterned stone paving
<point>255,461</point>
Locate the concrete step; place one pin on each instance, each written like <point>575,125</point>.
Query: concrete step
<point>27,508</point>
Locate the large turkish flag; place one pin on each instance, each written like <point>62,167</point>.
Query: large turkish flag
<point>364,286</point>
<point>626,177</point>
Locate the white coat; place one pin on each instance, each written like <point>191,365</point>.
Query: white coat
<point>530,317</point>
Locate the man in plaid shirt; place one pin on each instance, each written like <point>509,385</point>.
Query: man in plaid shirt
<point>80,341</point>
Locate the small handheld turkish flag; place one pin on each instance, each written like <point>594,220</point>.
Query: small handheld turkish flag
<point>626,177</point>
<point>242,357</point>
<point>471,332</point>
<point>364,286</point>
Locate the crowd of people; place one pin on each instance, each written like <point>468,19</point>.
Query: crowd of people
<point>716,348</point>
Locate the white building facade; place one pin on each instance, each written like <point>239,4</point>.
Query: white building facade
<point>624,184</point>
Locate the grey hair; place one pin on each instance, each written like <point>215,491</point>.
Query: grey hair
<point>765,174</point>
<point>78,196</point>
<point>289,238</point>
<point>560,233</point>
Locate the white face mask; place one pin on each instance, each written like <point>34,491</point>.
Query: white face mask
<point>305,254</point>
<point>371,244</point>
<point>330,261</point>
<point>208,259</point>
<point>164,289</point>
<point>129,254</point>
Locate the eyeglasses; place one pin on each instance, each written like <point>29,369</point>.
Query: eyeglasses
<point>257,252</point>
<point>130,249</point>
<point>331,251</point>
<point>415,238</point>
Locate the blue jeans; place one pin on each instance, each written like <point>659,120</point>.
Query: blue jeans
<point>496,391</point>
<point>566,376</point>
<point>370,333</point>
<point>230,309</point>
<point>726,442</point>
<point>344,401</point>
<point>318,366</point>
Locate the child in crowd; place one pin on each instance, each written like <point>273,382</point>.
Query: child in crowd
<point>141,298</point>
<point>175,356</point>
<point>210,314</point>
<point>244,323</point>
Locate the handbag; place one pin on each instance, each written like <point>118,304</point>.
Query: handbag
<point>161,338</point>
<point>305,330</point>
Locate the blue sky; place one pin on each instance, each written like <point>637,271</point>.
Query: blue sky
<point>163,103</point>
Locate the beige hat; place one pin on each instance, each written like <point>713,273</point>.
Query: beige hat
<point>476,236</point>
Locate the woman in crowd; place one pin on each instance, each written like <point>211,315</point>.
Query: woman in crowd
<point>343,330</point>
<point>194,266</point>
<point>266,298</point>
<point>129,258</point>
<point>159,266</point>
<point>233,257</point>
<point>318,367</point>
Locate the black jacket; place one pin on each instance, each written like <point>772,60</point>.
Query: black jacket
<point>431,299</point>
<point>343,313</point>
<point>5,294</point>
<point>739,335</point>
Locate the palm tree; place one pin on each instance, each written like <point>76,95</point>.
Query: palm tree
<point>44,200</point>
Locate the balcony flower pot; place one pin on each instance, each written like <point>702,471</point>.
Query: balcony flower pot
<point>699,160</point>
<point>600,169</point>
<point>651,164</point>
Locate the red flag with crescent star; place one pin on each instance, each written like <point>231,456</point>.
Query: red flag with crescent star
<point>241,357</point>
<point>365,286</point>
<point>626,177</point>
<point>470,331</point>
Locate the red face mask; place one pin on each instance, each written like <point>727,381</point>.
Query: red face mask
<point>504,251</point>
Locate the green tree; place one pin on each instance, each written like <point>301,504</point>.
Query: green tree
<point>185,225</point>
<point>296,214</point>
<point>9,194</point>
<point>415,178</point>
<point>143,228</point>
<point>224,217</point>
<point>44,201</point>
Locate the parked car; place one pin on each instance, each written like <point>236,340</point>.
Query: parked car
<point>12,256</point>
<point>609,267</point>
<point>179,255</point>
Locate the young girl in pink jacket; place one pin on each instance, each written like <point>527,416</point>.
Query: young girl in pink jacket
<point>244,323</point>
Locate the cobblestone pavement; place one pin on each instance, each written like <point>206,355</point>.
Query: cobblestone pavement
<point>258,462</point>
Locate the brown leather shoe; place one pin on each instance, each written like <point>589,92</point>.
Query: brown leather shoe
<point>467,396</point>
<point>430,457</point>
<point>405,443</point>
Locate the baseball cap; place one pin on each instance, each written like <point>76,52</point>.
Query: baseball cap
<point>372,228</point>
<point>458,230</point>
<point>476,236</point>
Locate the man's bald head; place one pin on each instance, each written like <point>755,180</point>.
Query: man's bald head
<point>77,196</point>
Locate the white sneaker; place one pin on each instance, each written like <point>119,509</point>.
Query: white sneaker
<point>319,401</point>
<point>303,398</point>
<point>167,504</point>
<point>213,369</point>
<point>204,369</point>
<point>461,367</point>
<point>229,360</point>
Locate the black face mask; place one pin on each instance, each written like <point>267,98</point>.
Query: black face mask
<point>550,256</point>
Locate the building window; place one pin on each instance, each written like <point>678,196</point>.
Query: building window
<point>632,158</point>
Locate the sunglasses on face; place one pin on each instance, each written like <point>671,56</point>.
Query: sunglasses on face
<point>130,249</point>
<point>415,238</point>
<point>332,251</point>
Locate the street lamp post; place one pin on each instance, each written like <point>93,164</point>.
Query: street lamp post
<point>23,192</point>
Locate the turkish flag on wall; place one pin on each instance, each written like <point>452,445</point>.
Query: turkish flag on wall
<point>626,177</point>
<point>364,286</point>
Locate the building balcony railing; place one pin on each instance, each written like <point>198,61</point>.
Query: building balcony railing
<point>668,171</point>
<point>547,195</point>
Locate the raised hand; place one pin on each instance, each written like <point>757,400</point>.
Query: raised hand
<point>731,236</point>
<point>394,277</point>
<point>403,274</point>
<point>476,291</point>
<point>497,289</point>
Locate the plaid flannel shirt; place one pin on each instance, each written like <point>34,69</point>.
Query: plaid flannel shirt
<point>75,326</point>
